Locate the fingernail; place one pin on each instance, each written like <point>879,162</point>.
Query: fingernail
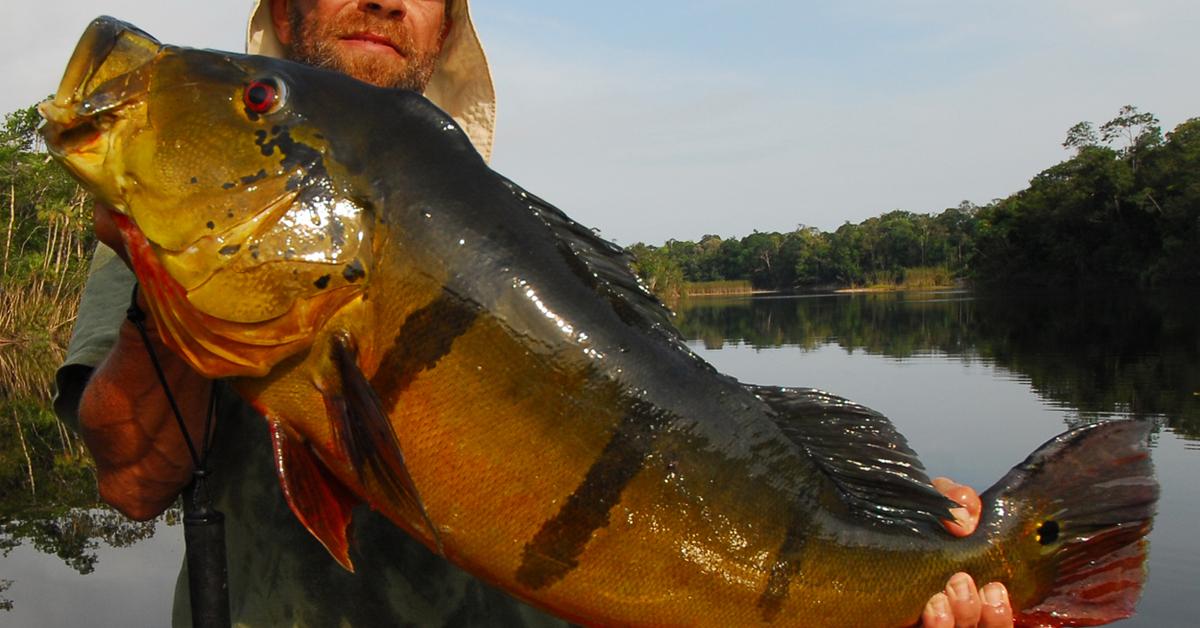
<point>995,594</point>
<point>940,604</point>
<point>959,584</point>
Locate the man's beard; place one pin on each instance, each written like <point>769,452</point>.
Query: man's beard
<point>316,44</point>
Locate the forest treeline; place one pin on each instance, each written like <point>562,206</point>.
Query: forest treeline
<point>46,235</point>
<point>1124,209</point>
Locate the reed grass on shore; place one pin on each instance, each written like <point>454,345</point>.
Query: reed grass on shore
<point>918,278</point>
<point>717,288</point>
<point>35,325</point>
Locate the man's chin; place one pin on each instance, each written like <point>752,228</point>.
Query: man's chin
<point>371,62</point>
<point>383,70</point>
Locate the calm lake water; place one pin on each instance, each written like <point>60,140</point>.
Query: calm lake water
<point>975,383</point>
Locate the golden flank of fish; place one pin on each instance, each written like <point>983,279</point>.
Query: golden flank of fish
<point>426,337</point>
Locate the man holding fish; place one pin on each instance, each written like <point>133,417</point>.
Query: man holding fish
<point>278,575</point>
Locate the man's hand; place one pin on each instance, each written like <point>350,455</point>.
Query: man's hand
<point>142,461</point>
<point>961,605</point>
<point>107,231</point>
<point>966,518</point>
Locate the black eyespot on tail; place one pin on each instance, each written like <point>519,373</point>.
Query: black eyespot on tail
<point>1099,482</point>
<point>1047,532</point>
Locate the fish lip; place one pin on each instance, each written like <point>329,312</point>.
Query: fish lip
<point>103,74</point>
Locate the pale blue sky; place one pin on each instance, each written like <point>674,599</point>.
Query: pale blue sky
<point>663,119</point>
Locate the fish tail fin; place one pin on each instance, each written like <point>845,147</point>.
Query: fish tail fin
<point>1083,503</point>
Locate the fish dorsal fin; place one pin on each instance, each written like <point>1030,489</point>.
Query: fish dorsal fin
<point>877,474</point>
<point>605,267</point>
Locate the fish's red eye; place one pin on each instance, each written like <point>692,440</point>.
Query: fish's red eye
<point>261,96</point>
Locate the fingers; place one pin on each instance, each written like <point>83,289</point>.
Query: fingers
<point>964,600</point>
<point>961,605</point>
<point>996,611</point>
<point>966,519</point>
<point>937,613</point>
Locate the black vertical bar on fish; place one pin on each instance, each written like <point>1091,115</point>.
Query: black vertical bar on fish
<point>204,538</point>
<point>554,551</point>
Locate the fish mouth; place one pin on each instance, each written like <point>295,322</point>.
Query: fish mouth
<point>104,74</point>
<point>74,136</point>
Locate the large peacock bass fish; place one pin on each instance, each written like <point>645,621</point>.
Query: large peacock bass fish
<point>425,336</point>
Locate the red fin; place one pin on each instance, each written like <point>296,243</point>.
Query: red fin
<point>1099,591</point>
<point>318,500</point>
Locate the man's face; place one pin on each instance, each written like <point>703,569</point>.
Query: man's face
<point>390,43</point>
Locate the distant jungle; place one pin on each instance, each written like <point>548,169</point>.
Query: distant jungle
<point>1125,209</point>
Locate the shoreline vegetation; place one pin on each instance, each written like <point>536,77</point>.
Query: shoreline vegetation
<point>1123,210</point>
<point>912,279</point>
<point>45,228</point>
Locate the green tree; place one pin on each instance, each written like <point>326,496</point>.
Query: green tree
<point>1137,131</point>
<point>1082,135</point>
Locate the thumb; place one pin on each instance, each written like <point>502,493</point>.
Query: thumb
<point>107,231</point>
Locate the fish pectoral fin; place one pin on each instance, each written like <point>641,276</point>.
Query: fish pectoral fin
<point>366,435</point>
<point>876,473</point>
<point>317,499</point>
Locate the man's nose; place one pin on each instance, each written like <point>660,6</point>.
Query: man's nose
<point>391,9</point>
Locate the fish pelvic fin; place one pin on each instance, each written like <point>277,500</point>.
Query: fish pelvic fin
<point>365,433</point>
<point>321,503</point>
<point>876,473</point>
<point>1084,503</point>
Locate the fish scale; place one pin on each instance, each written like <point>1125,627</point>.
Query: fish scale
<point>463,357</point>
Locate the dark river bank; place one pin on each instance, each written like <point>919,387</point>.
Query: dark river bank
<point>975,382</point>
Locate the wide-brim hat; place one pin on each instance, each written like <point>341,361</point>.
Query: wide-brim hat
<point>461,83</point>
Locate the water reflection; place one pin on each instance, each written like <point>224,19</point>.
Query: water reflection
<point>975,383</point>
<point>1097,354</point>
<point>68,527</point>
<point>73,535</point>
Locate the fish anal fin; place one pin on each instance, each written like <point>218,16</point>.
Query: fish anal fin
<point>876,474</point>
<point>321,503</point>
<point>365,433</point>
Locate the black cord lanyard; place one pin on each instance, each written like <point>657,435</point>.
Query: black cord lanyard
<point>203,527</point>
